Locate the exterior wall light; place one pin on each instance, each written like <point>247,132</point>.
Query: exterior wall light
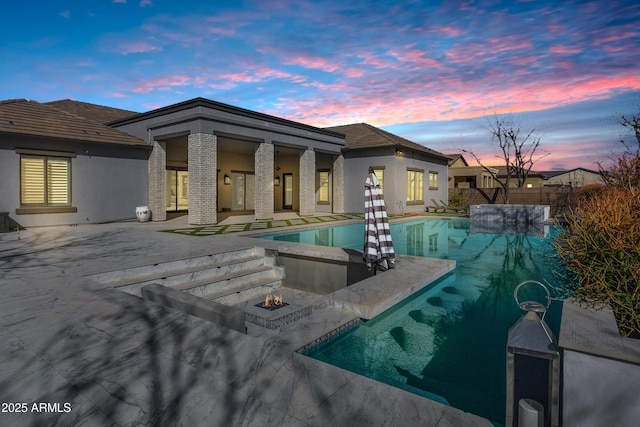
<point>227,179</point>
<point>276,180</point>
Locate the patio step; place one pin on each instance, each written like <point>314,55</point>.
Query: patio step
<point>214,274</point>
<point>235,282</point>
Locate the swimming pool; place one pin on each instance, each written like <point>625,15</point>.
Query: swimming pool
<point>448,342</point>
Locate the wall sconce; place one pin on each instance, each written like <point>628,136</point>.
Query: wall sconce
<point>276,180</point>
<point>227,179</point>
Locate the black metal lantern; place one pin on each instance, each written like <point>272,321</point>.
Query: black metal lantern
<point>533,367</point>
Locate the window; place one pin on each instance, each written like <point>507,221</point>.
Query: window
<point>45,181</point>
<point>433,180</point>
<point>379,172</point>
<point>415,185</point>
<point>323,181</point>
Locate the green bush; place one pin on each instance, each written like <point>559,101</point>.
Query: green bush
<point>602,245</point>
<point>457,200</point>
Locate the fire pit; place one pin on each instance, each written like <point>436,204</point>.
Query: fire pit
<point>272,312</point>
<point>272,302</point>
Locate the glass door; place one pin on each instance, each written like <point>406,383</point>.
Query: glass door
<point>243,191</point>
<point>287,191</point>
<point>177,187</point>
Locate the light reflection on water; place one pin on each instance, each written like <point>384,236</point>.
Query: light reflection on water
<point>448,342</point>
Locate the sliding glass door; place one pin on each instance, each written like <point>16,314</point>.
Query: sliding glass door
<point>177,190</point>
<point>243,191</point>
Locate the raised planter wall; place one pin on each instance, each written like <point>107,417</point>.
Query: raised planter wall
<point>600,370</point>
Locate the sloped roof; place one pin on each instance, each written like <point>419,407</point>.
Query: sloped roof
<point>551,174</point>
<point>25,117</point>
<point>98,113</point>
<point>502,171</point>
<point>363,135</point>
<point>456,157</point>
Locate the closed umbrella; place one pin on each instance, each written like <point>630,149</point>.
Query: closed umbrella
<point>378,248</point>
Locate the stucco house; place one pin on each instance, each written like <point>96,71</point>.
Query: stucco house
<point>577,177</point>
<point>410,174</point>
<point>461,175</point>
<point>70,162</point>
<point>61,168</point>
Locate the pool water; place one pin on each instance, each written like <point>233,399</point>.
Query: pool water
<point>448,342</point>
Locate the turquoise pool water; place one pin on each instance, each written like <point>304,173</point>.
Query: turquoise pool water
<point>447,342</point>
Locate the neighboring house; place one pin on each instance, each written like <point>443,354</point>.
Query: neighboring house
<point>461,175</point>
<point>62,168</point>
<point>534,179</point>
<point>410,174</point>
<point>577,177</point>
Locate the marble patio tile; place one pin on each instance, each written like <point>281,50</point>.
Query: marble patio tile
<point>80,412</point>
<point>363,401</point>
<point>297,386</point>
<point>24,375</point>
<point>17,310</point>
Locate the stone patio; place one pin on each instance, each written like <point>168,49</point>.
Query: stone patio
<point>116,359</point>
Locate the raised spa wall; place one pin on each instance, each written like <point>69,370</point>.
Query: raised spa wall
<point>321,275</point>
<point>510,214</point>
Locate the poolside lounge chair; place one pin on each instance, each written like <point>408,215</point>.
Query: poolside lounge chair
<point>446,207</point>
<point>435,206</point>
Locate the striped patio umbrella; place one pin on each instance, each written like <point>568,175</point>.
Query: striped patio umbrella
<point>378,248</point>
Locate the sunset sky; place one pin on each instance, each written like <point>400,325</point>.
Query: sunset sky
<point>434,72</point>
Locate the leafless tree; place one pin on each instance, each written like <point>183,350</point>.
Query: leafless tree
<point>519,151</point>
<point>626,168</point>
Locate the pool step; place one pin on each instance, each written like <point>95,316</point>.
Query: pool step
<point>213,274</point>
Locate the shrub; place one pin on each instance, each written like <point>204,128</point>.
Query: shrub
<point>591,190</point>
<point>457,200</point>
<point>602,245</point>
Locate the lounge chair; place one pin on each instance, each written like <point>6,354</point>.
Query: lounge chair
<point>446,207</point>
<point>435,206</point>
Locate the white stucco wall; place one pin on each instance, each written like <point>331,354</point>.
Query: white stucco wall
<point>395,183</point>
<point>103,189</point>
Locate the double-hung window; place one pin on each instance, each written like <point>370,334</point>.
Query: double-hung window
<point>415,185</point>
<point>379,172</point>
<point>45,181</point>
<point>433,180</point>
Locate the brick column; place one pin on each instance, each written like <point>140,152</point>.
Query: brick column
<point>203,151</point>
<point>264,181</point>
<point>338,184</point>
<point>156,172</point>
<point>308,183</point>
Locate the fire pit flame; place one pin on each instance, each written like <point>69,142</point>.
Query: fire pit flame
<point>272,302</point>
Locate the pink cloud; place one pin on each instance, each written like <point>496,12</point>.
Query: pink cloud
<point>447,31</point>
<point>310,62</point>
<point>507,43</point>
<point>466,53</point>
<point>162,83</point>
<point>565,50</point>
<point>138,47</point>
<point>417,57</point>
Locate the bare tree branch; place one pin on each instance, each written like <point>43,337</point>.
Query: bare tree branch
<point>519,149</point>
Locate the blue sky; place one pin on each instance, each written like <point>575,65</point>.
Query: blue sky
<point>434,72</point>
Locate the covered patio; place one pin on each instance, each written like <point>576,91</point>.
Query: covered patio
<point>210,158</point>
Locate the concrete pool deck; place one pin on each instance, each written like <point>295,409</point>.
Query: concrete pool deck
<point>75,352</point>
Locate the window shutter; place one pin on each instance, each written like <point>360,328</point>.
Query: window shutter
<point>58,182</point>
<point>32,181</point>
